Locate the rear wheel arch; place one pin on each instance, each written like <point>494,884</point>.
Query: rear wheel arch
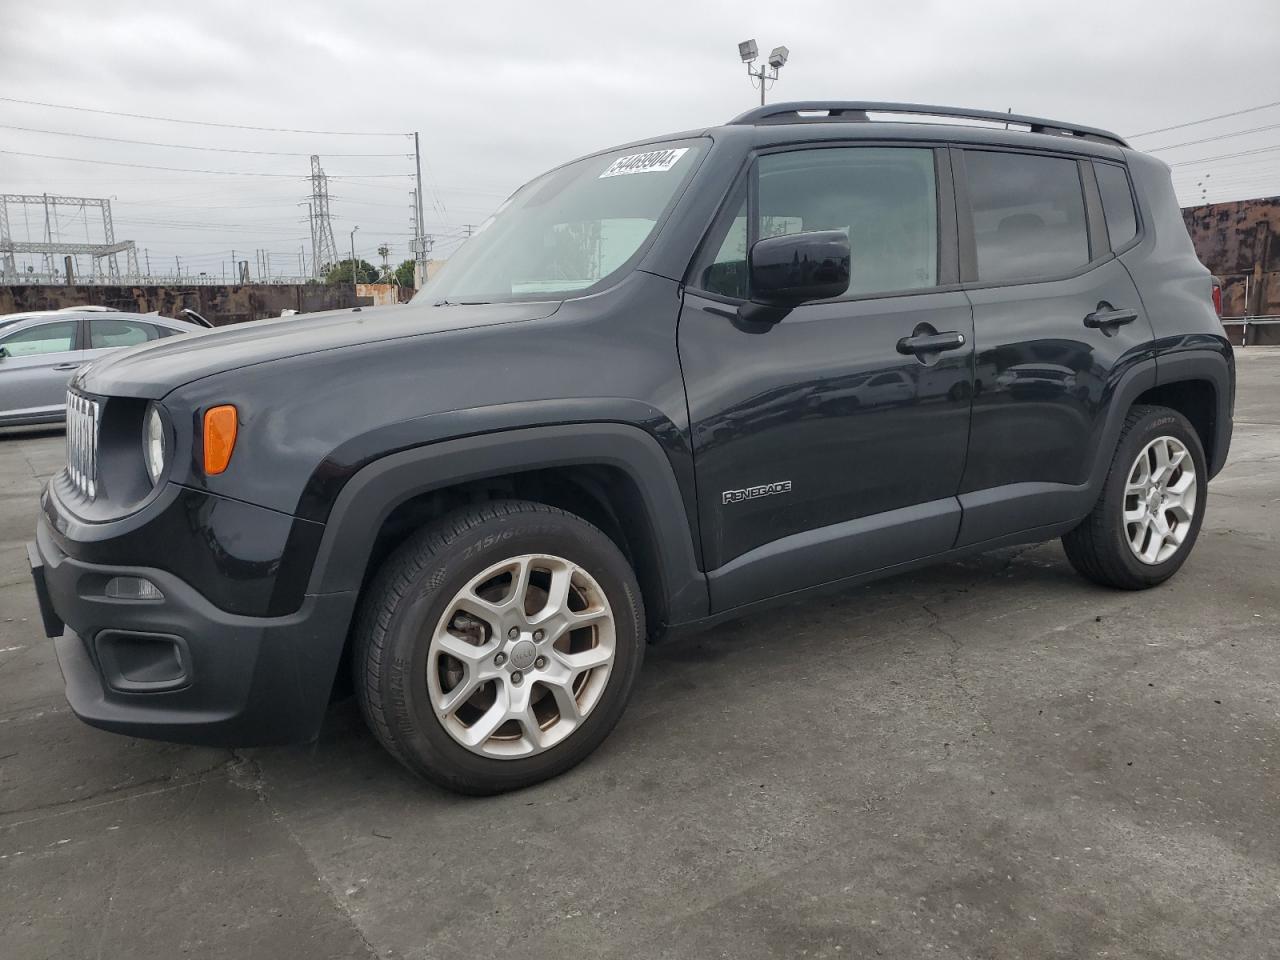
<point>1199,382</point>
<point>1196,399</point>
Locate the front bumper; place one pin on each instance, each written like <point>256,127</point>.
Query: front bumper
<point>220,679</point>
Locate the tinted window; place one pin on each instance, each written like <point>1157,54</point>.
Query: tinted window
<point>46,338</point>
<point>1028,215</point>
<point>884,198</point>
<point>119,333</point>
<point>1117,204</point>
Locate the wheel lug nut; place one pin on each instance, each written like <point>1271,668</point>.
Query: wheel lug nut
<point>538,635</point>
<point>499,658</point>
<point>517,677</point>
<point>540,662</point>
<point>513,633</point>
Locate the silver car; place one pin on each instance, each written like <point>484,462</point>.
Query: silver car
<point>40,351</point>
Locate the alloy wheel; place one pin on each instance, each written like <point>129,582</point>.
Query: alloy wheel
<point>521,656</point>
<point>1160,500</point>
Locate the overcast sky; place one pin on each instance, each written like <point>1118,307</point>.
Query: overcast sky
<point>500,91</point>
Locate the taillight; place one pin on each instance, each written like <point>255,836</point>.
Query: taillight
<point>1217,298</point>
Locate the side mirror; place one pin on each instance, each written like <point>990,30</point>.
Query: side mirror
<point>791,270</point>
<point>4,352</point>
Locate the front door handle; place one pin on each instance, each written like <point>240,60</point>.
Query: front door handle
<point>931,342</point>
<point>1108,316</point>
<point>66,366</point>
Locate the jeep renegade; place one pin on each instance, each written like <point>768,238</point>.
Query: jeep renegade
<point>665,385</point>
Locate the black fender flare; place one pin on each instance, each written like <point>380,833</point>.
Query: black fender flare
<point>1217,368</point>
<point>374,491</point>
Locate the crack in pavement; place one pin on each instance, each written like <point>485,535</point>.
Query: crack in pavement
<point>115,794</point>
<point>954,646</point>
<point>245,773</point>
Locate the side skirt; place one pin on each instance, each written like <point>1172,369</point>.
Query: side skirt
<point>1034,535</point>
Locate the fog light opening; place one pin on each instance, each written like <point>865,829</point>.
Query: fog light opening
<point>131,588</point>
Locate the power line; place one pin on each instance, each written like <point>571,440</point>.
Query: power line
<point>1226,156</point>
<point>225,173</point>
<point>202,123</point>
<point>1192,123</point>
<point>187,146</point>
<point>1221,136</point>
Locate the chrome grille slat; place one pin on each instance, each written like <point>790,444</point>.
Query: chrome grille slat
<point>83,417</point>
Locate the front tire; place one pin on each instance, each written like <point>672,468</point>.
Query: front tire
<point>498,647</point>
<point>1148,516</point>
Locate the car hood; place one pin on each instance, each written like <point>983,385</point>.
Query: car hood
<point>154,370</point>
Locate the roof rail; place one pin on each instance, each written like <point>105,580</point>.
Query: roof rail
<point>855,111</point>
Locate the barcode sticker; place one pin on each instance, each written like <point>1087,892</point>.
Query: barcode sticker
<point>655,161</point>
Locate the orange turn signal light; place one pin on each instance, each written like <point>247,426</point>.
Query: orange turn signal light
<point>220,425</point>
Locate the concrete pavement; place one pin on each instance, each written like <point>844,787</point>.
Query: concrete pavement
<point>986,759</point>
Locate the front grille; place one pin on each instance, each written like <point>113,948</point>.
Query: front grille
<point>83,416</point>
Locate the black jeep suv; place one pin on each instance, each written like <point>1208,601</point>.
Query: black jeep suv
<point>665,385</point>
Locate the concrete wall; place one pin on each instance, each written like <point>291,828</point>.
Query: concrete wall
<point>219,304</point>
<point>383,294</point>
<point>1239,242</point>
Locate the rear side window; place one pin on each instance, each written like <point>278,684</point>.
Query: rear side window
<point>1028,215</point>
<point>46,338</point>
<point>119,333</point>
<point>1117,204</point>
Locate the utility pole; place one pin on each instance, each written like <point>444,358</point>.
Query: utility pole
<point>235,267</point>
<point>354,279</point>
<point>178,264</point>
<point>420,240</point>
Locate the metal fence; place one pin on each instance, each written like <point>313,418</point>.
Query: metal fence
<point>156,280</point>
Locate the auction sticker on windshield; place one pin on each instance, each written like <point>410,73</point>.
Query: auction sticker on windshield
<point>655,161</point>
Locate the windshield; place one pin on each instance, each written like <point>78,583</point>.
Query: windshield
<point>568,230</point>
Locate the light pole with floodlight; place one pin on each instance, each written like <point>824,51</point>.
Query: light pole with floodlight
<point>766,74</point>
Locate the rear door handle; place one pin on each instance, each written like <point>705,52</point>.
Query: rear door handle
<point>1108,316</point>
<point>931,342</point>
<point>66,366</point>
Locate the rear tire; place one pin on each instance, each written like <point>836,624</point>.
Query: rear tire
<point>497,647</point>
<point>1151,507</point>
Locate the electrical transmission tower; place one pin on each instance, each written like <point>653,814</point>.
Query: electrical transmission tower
<point>104,256</point>
<point>324,251</point>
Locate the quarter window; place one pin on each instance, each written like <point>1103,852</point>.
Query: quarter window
<point>1117,204</point>
<point>1028,215</point>
<point>119,333</point>
<point>884,198</point>
<point>46,338</point>
<point>726,274</point>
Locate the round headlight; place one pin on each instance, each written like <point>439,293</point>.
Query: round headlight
<point>153,443</point>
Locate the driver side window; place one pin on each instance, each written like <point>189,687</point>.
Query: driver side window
<point>883,198</point>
